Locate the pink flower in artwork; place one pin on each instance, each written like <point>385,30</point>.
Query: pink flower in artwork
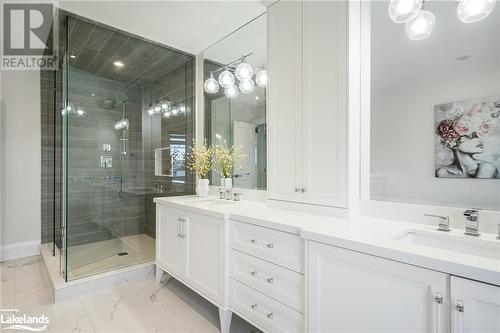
<point>446,132</point>
<point>463,125</point>
<point>484,129</point>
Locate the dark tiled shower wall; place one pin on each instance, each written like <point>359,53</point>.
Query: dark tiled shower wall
<point>51,144</point>
<point>109,198</point>
<point>178,85</point>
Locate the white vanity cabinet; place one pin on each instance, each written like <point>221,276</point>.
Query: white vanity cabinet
<point>307,96</point>
<point>267,284</point>
<point>190,247</point>
<point>475,306</point>
<point>353,292</point>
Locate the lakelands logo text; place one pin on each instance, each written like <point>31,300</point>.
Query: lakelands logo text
<point>10,320</point>
<point>29,36</point>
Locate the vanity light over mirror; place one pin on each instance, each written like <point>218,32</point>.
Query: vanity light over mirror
<point>435,106</point>
<point>235,80</point>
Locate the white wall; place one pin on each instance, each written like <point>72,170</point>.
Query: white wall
<point>20,163</point>
<point>402,133</point>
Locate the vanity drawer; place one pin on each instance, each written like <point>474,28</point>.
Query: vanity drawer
<point>269,314</point>
<point>279,247</point>
<point>277,282</point>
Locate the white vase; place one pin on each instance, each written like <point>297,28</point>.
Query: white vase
<point>202,188</point>
<point>226,183</point>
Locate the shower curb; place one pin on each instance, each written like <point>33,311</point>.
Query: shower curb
<point>63,291</point>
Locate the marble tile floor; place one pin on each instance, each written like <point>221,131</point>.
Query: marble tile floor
<point>141,306</point>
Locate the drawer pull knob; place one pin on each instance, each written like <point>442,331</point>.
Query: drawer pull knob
<point>270,280</point>
<point>253,306</point>
<point>254,273</point>
<point>270,246</point>
<point>270,315</point>
<point>253,241</point>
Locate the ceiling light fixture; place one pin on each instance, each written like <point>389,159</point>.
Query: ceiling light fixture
<point>421,26</point>
<point>402,11</point>
<point>469,11</point>
<point>118,63</point>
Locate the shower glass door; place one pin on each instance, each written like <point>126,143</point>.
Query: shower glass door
<point>111,80</point>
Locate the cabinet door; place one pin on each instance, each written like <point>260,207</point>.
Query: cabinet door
<point>325,103</point>
<point>475,306</point>
<point>169,243</point>
<point>204,237</point>
<point>353,292</point>
<point>284,96</point>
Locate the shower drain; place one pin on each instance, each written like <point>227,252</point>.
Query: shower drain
<point>122,253</point>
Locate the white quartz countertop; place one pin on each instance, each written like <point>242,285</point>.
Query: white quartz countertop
<point>368,235</point>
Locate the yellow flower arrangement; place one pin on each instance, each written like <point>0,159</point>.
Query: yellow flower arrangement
<point>225,159</point>
<point>199,159</point>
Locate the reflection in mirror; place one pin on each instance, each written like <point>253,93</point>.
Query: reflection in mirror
<point>236,115</point>
<point>435,109</point>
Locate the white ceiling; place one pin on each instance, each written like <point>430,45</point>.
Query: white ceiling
<point>189,26</point>
<point>396,59</point>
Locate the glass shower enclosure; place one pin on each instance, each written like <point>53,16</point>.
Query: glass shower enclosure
<point>126,109</point>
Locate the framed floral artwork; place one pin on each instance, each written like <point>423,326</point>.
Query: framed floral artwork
<point>468,139</point>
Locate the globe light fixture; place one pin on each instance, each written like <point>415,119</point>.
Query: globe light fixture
<point>469,11</point>
<point>402,11</point>
<point>261,78</point>
<point>165,105</point>
<point>151,111</point>
<point>157,108</point>
<point>244,71</point>
<point>175,111</point>
<point>246,86</point>
<point>211,85</point>
<point>421,26</point>
<point>231,92</point>
<point>226,79</point>
<point>166,114</point>
<point>182,108</point>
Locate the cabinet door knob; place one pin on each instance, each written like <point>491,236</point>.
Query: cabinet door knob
<point>253,306</point>
<point>297,189</point>
<point>270,280</point>
<point>270,315</point>
<point>459,306</point>
<point>253,241</point>
<point>302,190</point>
<point>439,298</point>
<point>270,245</point>
<point>254,273</point>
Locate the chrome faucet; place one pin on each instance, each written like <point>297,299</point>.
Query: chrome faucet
<point>472,222</point>
<point>443,223</point>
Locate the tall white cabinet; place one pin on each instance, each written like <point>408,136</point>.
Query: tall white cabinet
<point>307,96</point>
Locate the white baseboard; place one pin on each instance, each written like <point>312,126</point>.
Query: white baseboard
<point>19,250</point>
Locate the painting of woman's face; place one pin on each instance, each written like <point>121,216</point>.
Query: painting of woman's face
<point>470,145</point>
<point>467,137</point>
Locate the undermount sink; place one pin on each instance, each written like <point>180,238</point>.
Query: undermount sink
<point>455,243</point>
<point>212,201</point>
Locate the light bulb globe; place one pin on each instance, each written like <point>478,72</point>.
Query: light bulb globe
<point>402,11</point>
<point>421,26</point>
<point>246,86</point>
<point>226,79</point>
<point>211,85</point>
<point>470,11</point>
<point>244,71</point>
<point>261,78</point>
<point>231,92</point>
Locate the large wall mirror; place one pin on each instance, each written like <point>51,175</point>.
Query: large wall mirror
<point>237,116</point>
<point>435,108</point>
